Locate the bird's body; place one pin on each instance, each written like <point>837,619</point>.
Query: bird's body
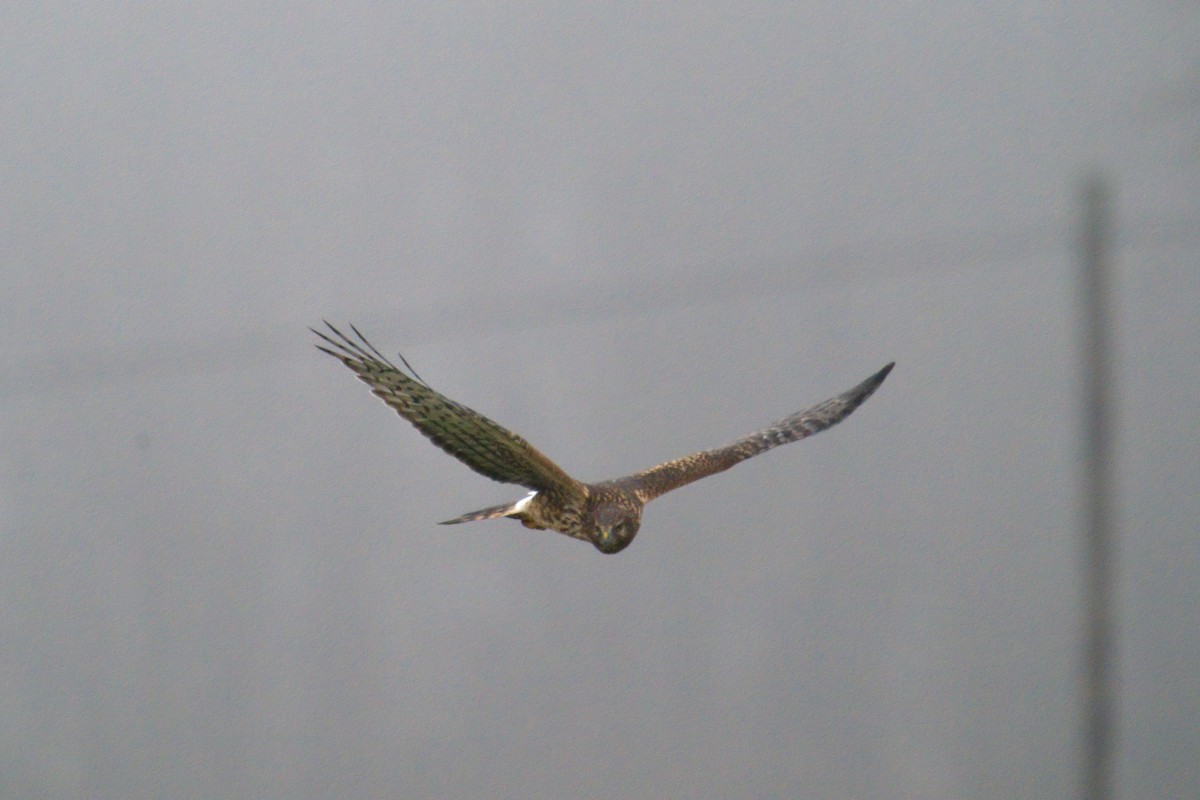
<point>607,514</point>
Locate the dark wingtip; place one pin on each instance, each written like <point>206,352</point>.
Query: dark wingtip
<point>360,350</point>
<point>876,379</point>
<point>867,388</point>
<point>327,340</point>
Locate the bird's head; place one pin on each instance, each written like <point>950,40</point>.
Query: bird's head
<point>614,528</point>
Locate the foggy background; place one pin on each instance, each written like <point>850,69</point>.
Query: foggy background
<point>627,232</point>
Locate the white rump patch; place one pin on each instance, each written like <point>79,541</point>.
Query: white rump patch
<point>519,506</point>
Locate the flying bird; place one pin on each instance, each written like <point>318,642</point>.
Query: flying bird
<point>607,514</point>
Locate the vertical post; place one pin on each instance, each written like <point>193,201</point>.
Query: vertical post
<point>1097,494</point>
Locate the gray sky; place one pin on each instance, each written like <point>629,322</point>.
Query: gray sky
<point>627,233</point>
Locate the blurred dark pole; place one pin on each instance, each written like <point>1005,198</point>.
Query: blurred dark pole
<point>1099,733</point>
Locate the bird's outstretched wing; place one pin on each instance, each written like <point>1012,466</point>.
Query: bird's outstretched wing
<point>655,481</point>
<point>472,438</point>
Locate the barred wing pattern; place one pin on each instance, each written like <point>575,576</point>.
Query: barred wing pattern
<point>481,444</point>
<point>607,514</point>
<point>651,483</point>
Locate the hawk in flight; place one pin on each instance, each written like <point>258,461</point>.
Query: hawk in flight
<point>606,514</point>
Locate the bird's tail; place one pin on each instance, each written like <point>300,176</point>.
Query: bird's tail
<point>510,510</point>
<point>483,513</point>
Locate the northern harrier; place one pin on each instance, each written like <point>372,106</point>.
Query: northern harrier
<point>606,514</point>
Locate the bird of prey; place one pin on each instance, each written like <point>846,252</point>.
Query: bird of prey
<point>606,514</point>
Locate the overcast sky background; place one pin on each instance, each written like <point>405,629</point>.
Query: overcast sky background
<point>627,232</point>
